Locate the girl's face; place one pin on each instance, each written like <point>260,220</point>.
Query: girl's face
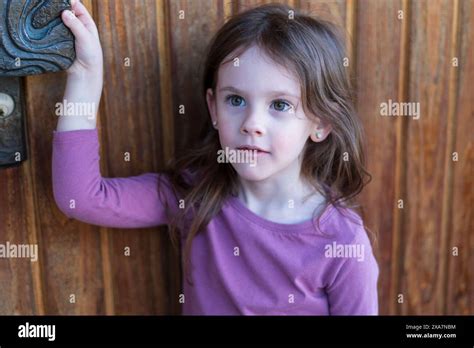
<point>258,103</point>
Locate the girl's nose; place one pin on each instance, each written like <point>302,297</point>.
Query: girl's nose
<point>252,126</point>
<point>252,130</point>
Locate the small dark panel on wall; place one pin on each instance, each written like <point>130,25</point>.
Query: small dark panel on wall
<point>12,127</point>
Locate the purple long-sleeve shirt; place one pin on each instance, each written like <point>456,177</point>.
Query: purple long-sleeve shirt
<point>242,263</point>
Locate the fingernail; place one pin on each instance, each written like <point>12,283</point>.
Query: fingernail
<point>70,14</point>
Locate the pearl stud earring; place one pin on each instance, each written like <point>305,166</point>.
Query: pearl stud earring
<point>319,135</point>
<point>214,124</point>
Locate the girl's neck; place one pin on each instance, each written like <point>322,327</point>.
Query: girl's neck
<point>279,198</point>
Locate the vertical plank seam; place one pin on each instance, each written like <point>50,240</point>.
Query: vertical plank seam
<point>33,233</point>
<point>163,22</point>
<point>164,53</point>
<point>351,41</point>
<point>446,215</point>
<point>229,7</point>
<point>400,163</point>
<point>107,272</point>
<point>298,4</point>
<point>235,7</point>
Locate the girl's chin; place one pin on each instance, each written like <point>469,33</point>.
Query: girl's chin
<point>249,172</point>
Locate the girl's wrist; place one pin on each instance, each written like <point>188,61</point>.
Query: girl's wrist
<point>90,83</point>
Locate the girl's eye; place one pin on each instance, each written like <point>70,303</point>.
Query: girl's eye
<point>235,100</point>
<point>280,105</point>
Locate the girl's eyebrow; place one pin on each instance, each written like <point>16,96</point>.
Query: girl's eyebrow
<point>272,93</point>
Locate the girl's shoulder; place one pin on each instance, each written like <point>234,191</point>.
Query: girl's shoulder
<point>344,225</point>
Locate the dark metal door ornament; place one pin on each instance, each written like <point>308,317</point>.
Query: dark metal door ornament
<point>33,40</point>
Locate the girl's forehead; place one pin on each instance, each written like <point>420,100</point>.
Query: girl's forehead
<point>255,68</point>
<point>252,53</point>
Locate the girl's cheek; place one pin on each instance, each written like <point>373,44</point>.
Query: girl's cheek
<point>287,139</point>
<point>227,134</point>
<point>225,113</point>
<point>229,122</point>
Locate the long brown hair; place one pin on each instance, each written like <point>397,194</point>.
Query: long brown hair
<point>313,50</point>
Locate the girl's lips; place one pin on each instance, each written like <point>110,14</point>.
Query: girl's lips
<point>259,152</point>
<point>252,148</point>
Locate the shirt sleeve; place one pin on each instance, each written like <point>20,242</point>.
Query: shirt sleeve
<point>82,193</point>
<point>354,288</point>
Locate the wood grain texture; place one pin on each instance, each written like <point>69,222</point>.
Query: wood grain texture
<point>17,295</point>
<point>242,5</point>
<point>188,40</point>
<point>334,11</point>
<point>131,123</point>
<point>69,251</point>
<point>460,273</point>
<point>377,73</point>
<point>425,246</point>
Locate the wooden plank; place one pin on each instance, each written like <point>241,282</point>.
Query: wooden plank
<point>377,57</point>
<point>425,242</point>
<point>335,11</point>
<point>398,251</point>
<point>460,275</point>
<point>131,123</point>
<point>16,224</point>
<point>189,39</point>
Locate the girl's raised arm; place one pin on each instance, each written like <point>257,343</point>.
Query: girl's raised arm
<point>79,189</point>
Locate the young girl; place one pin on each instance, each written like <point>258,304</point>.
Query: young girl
<point>273,233</point>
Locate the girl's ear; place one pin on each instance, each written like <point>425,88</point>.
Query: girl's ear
<point>320,132</point>
<point>211,104</point>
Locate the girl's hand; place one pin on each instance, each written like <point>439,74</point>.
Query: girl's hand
<point>85,75</point>
<point>89,60</point>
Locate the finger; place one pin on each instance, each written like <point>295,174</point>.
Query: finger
<point>84,16</point>
<point>72,22</point>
